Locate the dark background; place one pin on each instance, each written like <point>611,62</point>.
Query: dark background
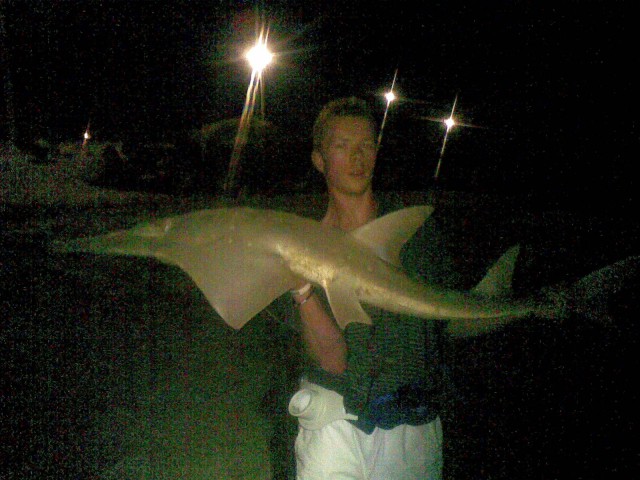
<point>552,166</point>
<point>550,83</point>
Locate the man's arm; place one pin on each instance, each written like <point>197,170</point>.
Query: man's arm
<point>321,334</point>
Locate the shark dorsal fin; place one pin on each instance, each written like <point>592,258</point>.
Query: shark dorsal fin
<point>497,282</point>
<point>386,235</point>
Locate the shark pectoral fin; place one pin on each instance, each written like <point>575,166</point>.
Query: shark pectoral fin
<point>386,235</point>
<point>238,282</point>
<point>498,280</point>
<point>345,305</point>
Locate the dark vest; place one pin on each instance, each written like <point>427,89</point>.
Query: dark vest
<point>394,367</point>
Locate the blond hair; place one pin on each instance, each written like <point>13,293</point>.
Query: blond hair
<point>342,107</point>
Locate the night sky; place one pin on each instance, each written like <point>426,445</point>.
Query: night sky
<point>549,83</point>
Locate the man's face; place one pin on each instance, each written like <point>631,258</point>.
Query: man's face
<point>348,155</point>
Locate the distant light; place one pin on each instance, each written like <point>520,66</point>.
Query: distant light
<point>86,136</point>
<point>390,96</point>
<point>449,122</point>
<point>259,56</point>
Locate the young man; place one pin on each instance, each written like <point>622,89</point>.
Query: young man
<point>387,374</point>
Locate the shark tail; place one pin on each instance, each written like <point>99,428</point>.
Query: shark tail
<point>591,296</point>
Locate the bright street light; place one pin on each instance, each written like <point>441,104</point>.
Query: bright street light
<point>259,56</point>
<point>390,96</point>
<point>449,122</point>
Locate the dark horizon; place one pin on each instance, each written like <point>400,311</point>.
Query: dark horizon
<point>548,84</point>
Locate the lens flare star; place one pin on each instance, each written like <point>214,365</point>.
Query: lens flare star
<point>390,97</point>
<point>259,57</point>
<point>86,136</point>
<point>449,123</point>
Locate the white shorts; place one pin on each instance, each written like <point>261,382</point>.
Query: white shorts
<point>340,451</point>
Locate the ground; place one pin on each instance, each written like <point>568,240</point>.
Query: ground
<point>118,367</point>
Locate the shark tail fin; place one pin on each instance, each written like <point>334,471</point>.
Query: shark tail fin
<point>591,295</point>
<point>499,279</point>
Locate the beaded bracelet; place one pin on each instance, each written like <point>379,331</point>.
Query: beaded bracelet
<point>302,291</point>
<point>306,299</point>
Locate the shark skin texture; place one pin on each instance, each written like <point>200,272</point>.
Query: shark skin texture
<point>244,258</point>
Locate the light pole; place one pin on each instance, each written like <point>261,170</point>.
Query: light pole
<point>390,96</point>
<point>449,123</point>
<point>258,57</point>
<point>86,136</point>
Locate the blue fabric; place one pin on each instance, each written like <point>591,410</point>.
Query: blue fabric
<point>409,405</point>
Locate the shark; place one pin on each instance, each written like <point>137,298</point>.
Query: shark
<point>243,258</point>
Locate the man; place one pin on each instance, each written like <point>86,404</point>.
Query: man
<point>387,374</point>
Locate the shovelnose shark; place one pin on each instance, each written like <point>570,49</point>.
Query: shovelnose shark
<point>242,259</point>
